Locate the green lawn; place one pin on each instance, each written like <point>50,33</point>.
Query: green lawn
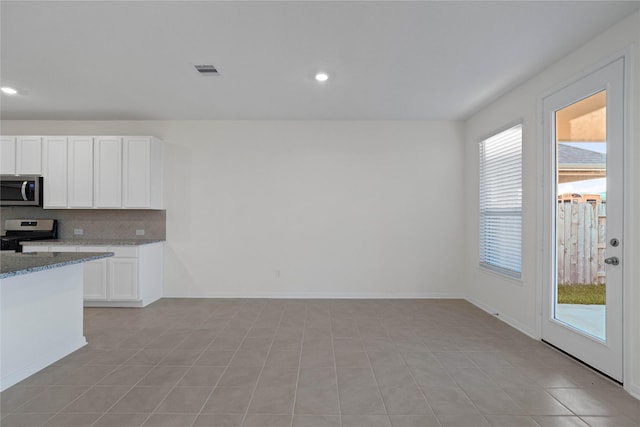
<point>581,294</point>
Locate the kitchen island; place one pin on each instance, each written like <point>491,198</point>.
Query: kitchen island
<point>41,310</point>
<point>132,278</point>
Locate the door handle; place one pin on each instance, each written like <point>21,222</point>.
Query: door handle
<point>612,260</point>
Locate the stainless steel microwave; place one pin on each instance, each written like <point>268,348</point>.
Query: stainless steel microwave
<point>20,190</point>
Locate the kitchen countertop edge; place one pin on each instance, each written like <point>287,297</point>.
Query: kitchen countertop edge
<point>92,242</point>
<point>29,264</point>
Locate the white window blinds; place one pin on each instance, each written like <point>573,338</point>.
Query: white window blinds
<point>501,202</point>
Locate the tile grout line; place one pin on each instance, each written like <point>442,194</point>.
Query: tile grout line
<point>143,377</point>
<point>49,386</point>
<point>452,378</point>
<point>230,360</point>
<point>424,396</point>
<point>253,392</point>
<point>295,391</point>
<point>225,368</point>
<point>150,370</point>
<point>171,389</point>
<point>405,364</point>
<point>373,373</point>
<point>502,387</point>
<point>90,387</point>
<point>335,364</point>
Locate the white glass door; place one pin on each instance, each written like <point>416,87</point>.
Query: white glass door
<point>582,290</point>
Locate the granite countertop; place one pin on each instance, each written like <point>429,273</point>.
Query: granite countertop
<point>92,242</point>
<point>16,264</point>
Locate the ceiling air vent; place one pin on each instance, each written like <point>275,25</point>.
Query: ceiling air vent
<point>207,70</point>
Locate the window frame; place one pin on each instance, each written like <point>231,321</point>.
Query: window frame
<point>483,262</point>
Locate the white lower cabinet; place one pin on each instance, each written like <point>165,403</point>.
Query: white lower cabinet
<point>133,277</point>
<point>123,278</point>
<point>95,280</point>
<point>95,275</point>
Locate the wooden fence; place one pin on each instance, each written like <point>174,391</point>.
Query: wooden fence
<point>580,229</point>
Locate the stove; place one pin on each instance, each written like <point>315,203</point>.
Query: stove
<point>22,230</point>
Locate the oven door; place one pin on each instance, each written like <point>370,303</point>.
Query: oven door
<point>20,191</point>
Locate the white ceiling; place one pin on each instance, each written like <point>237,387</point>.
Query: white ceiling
<point>387,60</point>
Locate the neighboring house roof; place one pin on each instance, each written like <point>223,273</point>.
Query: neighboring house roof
<point>574,156</point>
<point>578,164</point>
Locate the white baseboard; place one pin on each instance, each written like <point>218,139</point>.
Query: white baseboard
<point>324,295</point>
<point>633,390</point>
<point>123,304</point>
<point>506,319</point>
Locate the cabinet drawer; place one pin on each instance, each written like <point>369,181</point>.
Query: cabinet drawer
<point>124,251</point>
<point>26,248</point>
<point>93,249</point>
<point>62,249</point>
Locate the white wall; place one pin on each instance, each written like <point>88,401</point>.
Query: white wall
<point>321,208</point>
<point>516,301</point>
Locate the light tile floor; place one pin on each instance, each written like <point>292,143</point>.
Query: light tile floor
<point>312,363</point>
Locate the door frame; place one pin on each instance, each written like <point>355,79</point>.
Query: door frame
<point>543,235</point>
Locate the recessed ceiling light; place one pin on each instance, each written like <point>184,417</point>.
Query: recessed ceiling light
<point>8,90</point>
<point>322,77</point>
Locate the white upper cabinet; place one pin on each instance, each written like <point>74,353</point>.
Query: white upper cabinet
<point>7,155</point>
<point>104,172</point>
<point>68,172</point>
<point>29,155</point>
<point>21,155</point>
<point>142,173</point>
<point>80,170</point>
<point>107,189</point>
<point>55,171</point>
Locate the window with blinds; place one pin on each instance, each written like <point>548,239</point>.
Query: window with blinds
<point>501,202</point>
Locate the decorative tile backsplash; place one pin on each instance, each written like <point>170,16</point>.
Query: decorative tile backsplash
<point>95,223</point>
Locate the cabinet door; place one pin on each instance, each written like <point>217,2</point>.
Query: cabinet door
<point>7,155</point>
<point>29,155</point>
<point>108,172</point>
<point>136,159</point>
<point>55,172</point>
<point>95,280</point>
<point>123,278</point>
<point>80,172</point>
